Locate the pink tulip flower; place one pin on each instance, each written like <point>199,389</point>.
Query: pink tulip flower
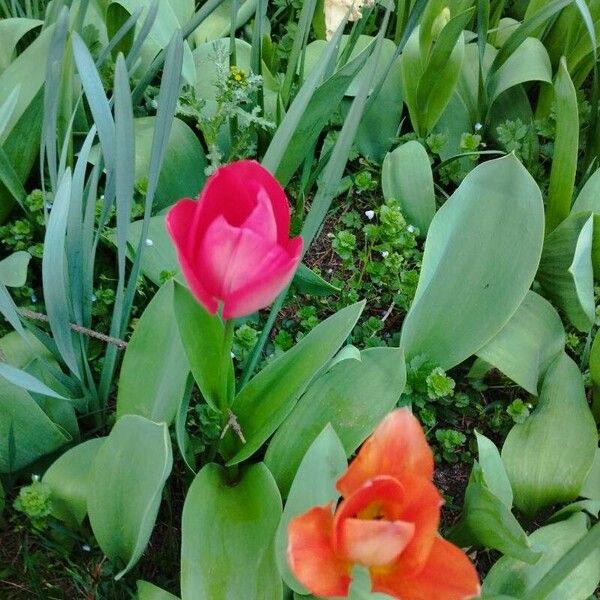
<point>233,243</point>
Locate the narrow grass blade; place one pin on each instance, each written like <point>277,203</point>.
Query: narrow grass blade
<point>54,270</point>
<point>10,179</point>
<point>97,100</point>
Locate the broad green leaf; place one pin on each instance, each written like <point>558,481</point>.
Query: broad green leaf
<point>166,23</point>
<point>22,146</point>
<point>353,396</point>
<point>33,62</point>
<point>315,50</point>
<point>267,399</point>
<point>125,487</point>
<point>149,591</point>
<point>594,363</point>
<point>218,24</point>
<point>68,478</point>
<point>406,177</point>
<point>324,101</point>
<point>228,535</point>
<point>438,81</point>
<point>155,367</point>
<point>548,457</point>
<point>313,485</point>
<point>487,522</point>
<point>2,499</point>
<point>182,171</point>
<point>32,432</point>
<point>589,195</point>
<point>493,471</point>
<point>381,121</point>
<point>566,147</point>
<point>528,343</point>
<point>13,269</point>
<point>566,271</point>
<point>591,507</point>
<point>308,282</point>
<point>529,62</point>
<point>20,352</point>
<point>202,337</point>
<point>481,254</point>
<point>591,485</point>
<point>513,577</point>
<point>26,381</point>
<point>11,31</point>
<point>7,107</point>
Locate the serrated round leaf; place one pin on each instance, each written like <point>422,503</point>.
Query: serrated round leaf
<point>481,254</point>
<point>125,487</point>
<point>228,535</point>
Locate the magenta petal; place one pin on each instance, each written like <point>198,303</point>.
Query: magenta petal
<point>177,223</point>
<point>275,272</point>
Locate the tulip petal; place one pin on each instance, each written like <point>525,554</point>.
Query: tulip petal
<point>311,556</point>
<point>375,543</point>
<point>262,220</point>
<point>447,575</point>
<point>397,446</point>
<point>422,508</point>
<point>177,222</point>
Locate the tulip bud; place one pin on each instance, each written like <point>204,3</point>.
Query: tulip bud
<point>233,243</point>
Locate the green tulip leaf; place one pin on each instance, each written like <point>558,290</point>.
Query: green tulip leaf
<point>26,431</point>
<point>528,343</point>
<point>313,485</point>
<point>548,457</point>
<point>267,399</point>
<point>353,396</point>
<point>515,578</point>
<point>308,282</point>
<point>202,336</point>
<point>493,471</point>
<point>149,591</point>
<point>566,272</point>
<point>488,522</point>
<point>13,269</point>
<point>155,367</point>
<point>68,478</point>
<point>481,254</point>
<point>228,536</point>
<point>406,177</point>
<point>125,487</point>
<point>591,485</point>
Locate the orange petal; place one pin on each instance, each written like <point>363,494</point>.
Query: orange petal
<point>397,446</point>
<point>447,575</point>
<point>422,507</point>
<point>375,543</point>
<point>311,556</point>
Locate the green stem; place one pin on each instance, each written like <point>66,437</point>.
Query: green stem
<point>566,565</point>
<point>226,398</point>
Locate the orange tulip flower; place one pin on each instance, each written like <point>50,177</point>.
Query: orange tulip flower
<point>387,521</point>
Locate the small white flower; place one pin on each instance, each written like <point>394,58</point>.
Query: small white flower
<point>369,214</point>
<point>385,254</point>
<point>411,228</point>
<point>35,477</point>
<point>478,126</point>
<point>86,548</point>
<point>149,242</point>
<point>232,355</point>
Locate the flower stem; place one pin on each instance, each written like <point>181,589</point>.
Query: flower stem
<point>227,370</point>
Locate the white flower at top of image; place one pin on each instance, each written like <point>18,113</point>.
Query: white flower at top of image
<point>336,10</point>
<point>369,214</point>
